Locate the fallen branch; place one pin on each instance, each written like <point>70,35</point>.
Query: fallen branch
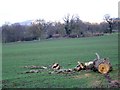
<point>64,71</point>
<point>98,57</point>
<point>112,83</point>
<point>35,67</point>
<point>31,71</point>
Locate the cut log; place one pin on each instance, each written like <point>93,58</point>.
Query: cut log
<point>104,68</point>
<point>80,66</point>
<point>55,66</point>
<point>102,65</point>
<point>89,65</point>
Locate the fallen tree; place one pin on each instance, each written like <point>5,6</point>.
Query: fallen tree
<point>101,65</point>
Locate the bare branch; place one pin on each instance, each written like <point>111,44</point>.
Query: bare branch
<point>98,57</point>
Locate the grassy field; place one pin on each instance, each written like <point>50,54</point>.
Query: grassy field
<point>64,51</point>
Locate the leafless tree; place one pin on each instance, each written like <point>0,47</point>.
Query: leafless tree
<point>109,20</point>
<point>67,24</point>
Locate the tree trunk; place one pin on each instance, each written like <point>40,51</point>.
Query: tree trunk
<point>102,65</point>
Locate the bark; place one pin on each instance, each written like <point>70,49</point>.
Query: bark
<point>102,65</point>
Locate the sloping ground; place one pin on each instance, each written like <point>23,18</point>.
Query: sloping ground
<point>64,51</point>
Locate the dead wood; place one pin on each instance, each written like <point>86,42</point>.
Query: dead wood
<point>79,67</point>
<point>33,71</point>
<point>112,83</point>
<point>102,65</point>
<point>89,65</point>
<point>55,66</point>
<point>64,71</point>
<point>98,57</point>
<point>35,67</point>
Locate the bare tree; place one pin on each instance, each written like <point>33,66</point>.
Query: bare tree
<point>67,24</point>
<point>109,21</point>
<point>39,25</point>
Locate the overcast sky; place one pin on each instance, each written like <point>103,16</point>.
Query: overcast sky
<point>54,10</point>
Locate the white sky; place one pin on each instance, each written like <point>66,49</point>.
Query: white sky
<point>54,10</point>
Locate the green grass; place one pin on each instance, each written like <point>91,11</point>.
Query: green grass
<point>64,51</point>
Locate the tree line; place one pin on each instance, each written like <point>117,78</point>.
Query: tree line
<point>72,27</point>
